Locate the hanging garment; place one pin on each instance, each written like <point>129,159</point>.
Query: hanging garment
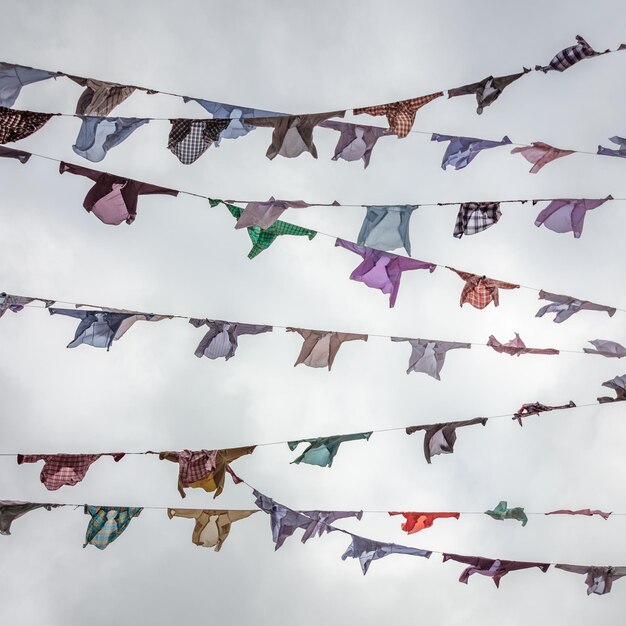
<point>564,216</point>
<point>221,339</point>
<point>429,355</point>
<point>107,523</point>
<point>540,154</point>
<point>387,227</point>
<point>603,347</point>
<point>64,469</point>
<point>356,141</point>
<point>534,408</point>
<point>367,550</point>
<point>264,214</point>
<point>620,152</point>
<point>16,125</point>
<point>487,90</point>
<point>17,303</point>
<point>566,306</point>
<point>101,328</point>
<point>440,438</point>
<point>479,291</point>
<point>190,139</point>
<point>587,512</point>
<point>463,150</point>
<point>570,56</point>
<point>109,203</point>
<point>293,134</point>
<point>10,510</point>
<point>382,270</point>
<point>10,153</point>
<point>400,115</point>
<point>14,77</point>
<point>320,347</point>
<point>618,384</point>
<point>263,239</point>
<point>97,135</point>
<point>599,580</point>
<point>322,450</point>
<point>474,217</point>
<point>494,568</point>
<point>212,525</point>
<point>205,469</point>
<point>321,521</point>
<point>517,347</point>
<point>501,512</point>
<point>99,97</point>
<point>418,521</point>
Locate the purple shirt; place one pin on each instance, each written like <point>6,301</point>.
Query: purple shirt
<point>564,216</point>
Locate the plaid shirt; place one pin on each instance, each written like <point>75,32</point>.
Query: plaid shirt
<point>400,115</point>
<point>190,139</point>
<point>64,469</point>
<point>570,56</point>
<point>263,238</point>
<point>474,217</point>
<point>107,523</point>
<point>16,125</point>
<point>479,291</point>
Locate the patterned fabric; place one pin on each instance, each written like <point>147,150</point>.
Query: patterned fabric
<point>568,215</point>
<point>221,340</point>
<point>610,349</point>
<point>517,347</point>
<point>64,469</point>
<point>320,347</point>
<point>461,151</point>
<point>14,77</point>
<point>99,97</point>
<point>190,139</point>
<point>322,450</point>
<point>10,153</point>
<point>618,384</point>
<point>17,303</point>
<point>570,56</point>
<point>419,521</point>
<point>356,141</point>
<point>540,154</point>
<point>501,512</point>
<point>599,580</point>
<point>588,512</point>
<point>620,152</point>
<point>263,239</point>
<point>400,115</point>
<point>386,227</point>
<point>474,217</point>
<point>566,306</point>
<point>107,523</point>
<point>534,408</point>
<point>11,510</point>
<point>428,356</point>
<point>479,291</point>
<point>16,125</point>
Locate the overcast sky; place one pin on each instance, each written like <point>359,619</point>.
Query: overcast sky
<point>180,256</point>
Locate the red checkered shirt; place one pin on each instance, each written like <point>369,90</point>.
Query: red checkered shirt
<point>400,115</point>
<point>479,291</point>
<point>193,465</point>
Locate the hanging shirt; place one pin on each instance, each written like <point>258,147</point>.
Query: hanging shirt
<point>17,303</point>
<point>320,347</point>
<point>463,150</point>
<point>113,199</point>
<point>14,77</point>
<point>293,134</point>
<point>487,90</point>
<point>474,217</point>
<point>566,306</point>
<point>189,139</point>
<point>97,135</point>
<point>107,523</point>
<point>534,408</point>
<point>382,270</point>
<point>440,438</point>
<point>261,238</point>
<point>494,568</point>
<point>428,355</point>
<point>16,125</point>
<point>479,291</point>
<point>604,347</point>
<point>99,97</point>
<point>418,521</point>
<point>620,152</point>
<point>221,340</point>
<point>205,469</point>
<point>618,384</point>
<point>564,216</point>
<point>400,115</point>
<point>10,153</point>
<point>387,227</point>
<point>101,328</point>
<point>599,580</point>
<point>586,512</point>
<point>356,141</point>
<point>212,526</point>
<point>517,347</point>
<point>570,56</point>
<point>64,469</point>
<point>540,154</point>
<point>368,550</point>
<point>501,512</point>
<point>322,450</point>
<point>264,214</point>
<point>10,510</point>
